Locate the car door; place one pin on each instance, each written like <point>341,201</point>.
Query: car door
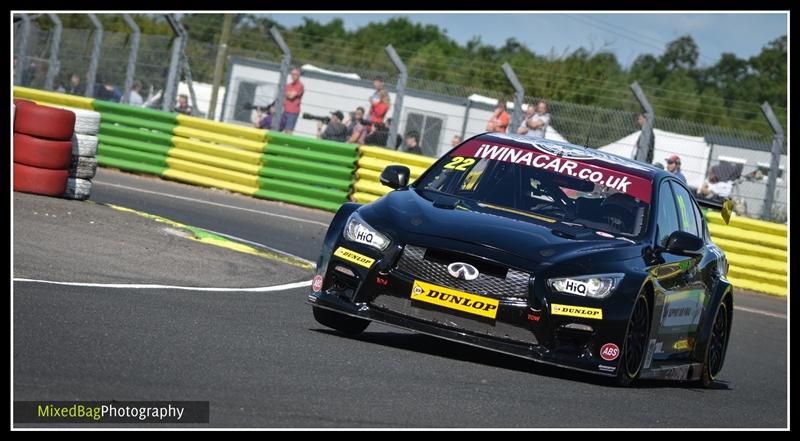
<point>680,294</point>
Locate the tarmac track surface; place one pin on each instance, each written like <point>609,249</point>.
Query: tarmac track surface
<point>262,361</point>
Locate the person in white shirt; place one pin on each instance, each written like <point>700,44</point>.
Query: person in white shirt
<point>136,97</point>
<point>714,187</point>
<point>536,123</point>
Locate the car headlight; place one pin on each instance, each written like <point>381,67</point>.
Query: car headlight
<point>359,231</point>
<point>597,286</point>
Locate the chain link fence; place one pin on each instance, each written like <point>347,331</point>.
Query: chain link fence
<point>438,112</point>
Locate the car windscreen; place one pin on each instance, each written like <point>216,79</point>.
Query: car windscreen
<point>544,180</point>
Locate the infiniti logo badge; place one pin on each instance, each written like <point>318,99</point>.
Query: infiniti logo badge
<point>461,270</point>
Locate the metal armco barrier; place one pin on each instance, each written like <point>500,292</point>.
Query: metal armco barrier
<point>325,174</point>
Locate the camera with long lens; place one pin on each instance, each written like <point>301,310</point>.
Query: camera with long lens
<point>324,119</point>
<point>250,106</point>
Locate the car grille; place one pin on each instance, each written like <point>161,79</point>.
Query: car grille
<point>413,262</point>
<point>496,329</point>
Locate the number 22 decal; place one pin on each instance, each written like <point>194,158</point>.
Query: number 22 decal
<point>460,163</point>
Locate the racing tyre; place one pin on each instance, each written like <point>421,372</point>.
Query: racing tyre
<point>82,167</point>
<point>42,153</point>
<point>84,145</point>
<point>717,345</point>
<point>79,189</point>
<point>37,180</point>
<point>87,122</point>
<point>635,346</point>
<point>340,322</point>
<point>44,122</point>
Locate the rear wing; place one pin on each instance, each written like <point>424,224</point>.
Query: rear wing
<point>725,207</point>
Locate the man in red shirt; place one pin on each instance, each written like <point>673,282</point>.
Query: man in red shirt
<point>291,105</point>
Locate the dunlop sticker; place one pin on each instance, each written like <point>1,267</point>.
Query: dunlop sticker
<point>454,299</point>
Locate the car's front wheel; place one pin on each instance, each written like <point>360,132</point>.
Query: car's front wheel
<point>717,344</point>
<point>340,322</point>
<point>635,346</point>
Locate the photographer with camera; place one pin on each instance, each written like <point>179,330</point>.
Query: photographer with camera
<point>335,130</point>
<point>264,119</point>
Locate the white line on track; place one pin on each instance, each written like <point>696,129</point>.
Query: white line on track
<point>185,288</point>
<point>200,201</point>
<point>758,311</point>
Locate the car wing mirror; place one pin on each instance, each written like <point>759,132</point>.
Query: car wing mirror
<point>395,176</point>
<point>684,244</point>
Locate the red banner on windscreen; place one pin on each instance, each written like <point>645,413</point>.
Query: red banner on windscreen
<point>580,168</point>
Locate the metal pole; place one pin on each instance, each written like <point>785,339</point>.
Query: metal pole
<point>98,40</point>
<point>187,71</point>
<point>466,118</point>
<point>227,90</point>
<point>398,103</point>
<point>135,36</point>
<point>643,147</point>
<point>286,61</point>
<point>53,65</point>
<point>774,166</point>
<point>519,95</point>
<point>170,88</point>
<point>22,59</point>
<point>219,64</point>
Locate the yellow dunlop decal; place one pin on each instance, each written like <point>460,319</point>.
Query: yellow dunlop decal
<point>453,299</point>
<point>352,256</point>
<point>576,311</point>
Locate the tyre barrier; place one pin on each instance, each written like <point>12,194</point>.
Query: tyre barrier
<point>82,167</point>
<point>77,188</point>
<point>42,148</point>
<point>44,181</point>
<point>84,145</point>
<point>44,122</point>
<point>42,153</point>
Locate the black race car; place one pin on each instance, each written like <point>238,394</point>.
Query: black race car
<point>544,250</point>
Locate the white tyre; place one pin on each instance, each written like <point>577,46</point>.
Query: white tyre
<point>87,122</point>
<point>82,167</point>
<point>78,189</point>
<point>84,145</point>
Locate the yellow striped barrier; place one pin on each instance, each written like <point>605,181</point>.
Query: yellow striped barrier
<point>212,172</point>
<point>248,133</point>
<point>45,97</point>
<point>202,135</point>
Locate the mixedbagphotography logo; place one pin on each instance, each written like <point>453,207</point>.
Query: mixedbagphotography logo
<point>141,412</point>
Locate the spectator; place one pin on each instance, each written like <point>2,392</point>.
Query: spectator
<point>456,140</point>
<point>357,129</point>
<point>335,129</point>
<point>73,87</point>
<point>183,105</point>
<point>659,165</point>
<point>718,185</point>
<point>536,121</point>
<point>106,91</point>
<point>498,122</point>
<point>412,144</point>
<point>674,167</point>
<point>265,121</point>
<point>378,110</point>
<point>379,134</point>
<point>376,96</point>
<point>640,120</point>
<point>136,98</point>
<point>291,105</point>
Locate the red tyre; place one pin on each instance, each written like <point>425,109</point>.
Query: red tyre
<point>44,122</point>
<point>42,153</point>
<point>18,101</point>
<point>44,181</point>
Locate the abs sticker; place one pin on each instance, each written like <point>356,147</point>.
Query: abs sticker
<point>576,311</point>
<point>609,352</point>
<point>316,286</point>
